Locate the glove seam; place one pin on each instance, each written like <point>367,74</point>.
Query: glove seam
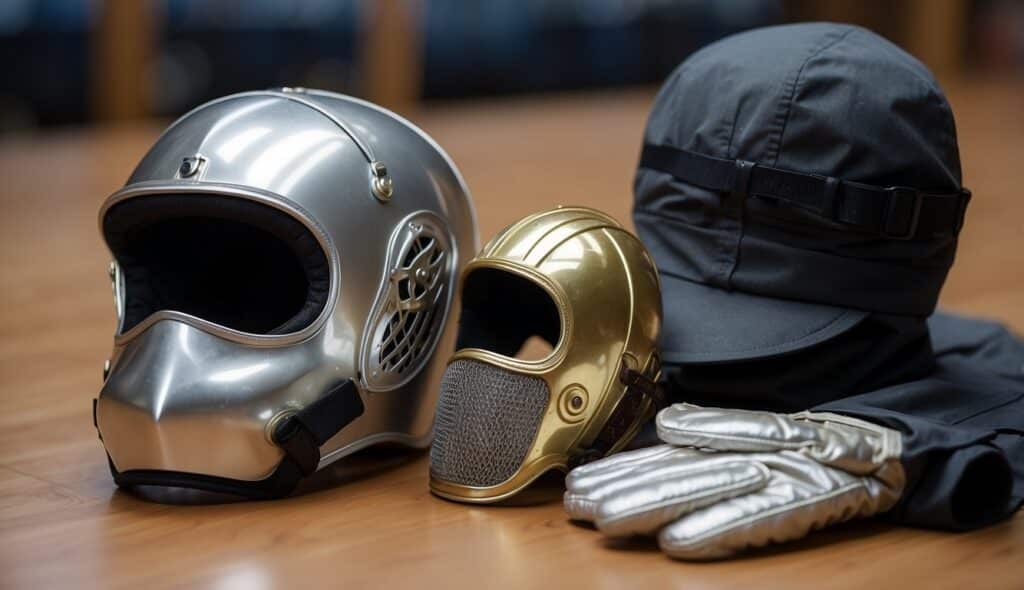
<point>739,484</point>
<point>732,437</point>
<point>580,501</point>
<point>763,515</point>
<point>891,446</point>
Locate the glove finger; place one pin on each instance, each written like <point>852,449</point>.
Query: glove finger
<point>734,430</point>
<point>617,462</point>
<point>785,510</point>
<point>647,501</point>
<point>585,485</point>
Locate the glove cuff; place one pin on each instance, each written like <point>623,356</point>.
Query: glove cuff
<point>887,443</point>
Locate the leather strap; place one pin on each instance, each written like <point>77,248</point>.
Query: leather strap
<point>639,389</point>
<point>896,212</point>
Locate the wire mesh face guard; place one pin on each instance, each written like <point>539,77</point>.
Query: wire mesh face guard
<point>270,274</point>
<point>487,418</point>
<point>576,279</point>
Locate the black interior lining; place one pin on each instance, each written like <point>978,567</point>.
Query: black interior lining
<point>228,260</point>
<point>501,310</point>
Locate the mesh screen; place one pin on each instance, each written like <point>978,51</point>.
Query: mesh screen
<point>487,418</point>
<point>407,319</point>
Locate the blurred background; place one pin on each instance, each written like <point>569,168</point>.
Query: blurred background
<point>79,62</point>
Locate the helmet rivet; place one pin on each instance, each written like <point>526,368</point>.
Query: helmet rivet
<point>573,403</point>
<point>189,166</point>
<point>380,183</point>
<point>270,428</point>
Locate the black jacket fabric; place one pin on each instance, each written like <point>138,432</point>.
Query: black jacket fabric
<point>963,426</point>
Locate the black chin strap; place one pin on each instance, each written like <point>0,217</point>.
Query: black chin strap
<point>895,212</point>
<point>631,408</point>
<point>302,434</point>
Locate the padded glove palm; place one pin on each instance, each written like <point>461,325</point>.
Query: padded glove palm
<point>728,480</point>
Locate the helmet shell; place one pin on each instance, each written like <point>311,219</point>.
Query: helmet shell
<point>394,220</point>
<point>605,288</point>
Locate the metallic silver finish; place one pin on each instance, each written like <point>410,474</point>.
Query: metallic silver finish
<point>190,166</point>
<point>381,184</point>
<point>185,394</point>
<point>729,480</point>
<point>293,94</point>
<point>404,324</point>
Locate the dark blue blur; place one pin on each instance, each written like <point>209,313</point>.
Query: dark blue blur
<point>207,48</point>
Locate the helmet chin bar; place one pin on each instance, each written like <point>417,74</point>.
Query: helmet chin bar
<point>300,435</point>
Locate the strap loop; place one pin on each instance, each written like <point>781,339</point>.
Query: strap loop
<point>902,214</point>
<point>830,199</point>
<point>741,182</point>
<point>637,381</point>
<point>302,434</point>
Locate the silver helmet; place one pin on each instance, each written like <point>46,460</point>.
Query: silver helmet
<point>284,279</point>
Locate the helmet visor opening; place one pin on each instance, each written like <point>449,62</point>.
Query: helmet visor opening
<point>505,313</point>
<point>227,260</point>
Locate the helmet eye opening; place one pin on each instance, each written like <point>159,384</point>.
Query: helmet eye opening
<point>229,261</point>
<point>508,314</point>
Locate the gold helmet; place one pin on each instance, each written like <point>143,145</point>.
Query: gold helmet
<point>578,280</point>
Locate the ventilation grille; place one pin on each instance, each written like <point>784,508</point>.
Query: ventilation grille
<point>414,302</point>
<point>407,332</point>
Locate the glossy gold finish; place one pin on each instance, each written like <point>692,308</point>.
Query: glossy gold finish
<point>605,286</point>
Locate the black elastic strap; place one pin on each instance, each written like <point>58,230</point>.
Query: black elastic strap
<point>897,212</point>
<point>302,434</point>
<point>278,484</point>
<point>639,389</point>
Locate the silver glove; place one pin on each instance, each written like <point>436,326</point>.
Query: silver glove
<point>728,480</point>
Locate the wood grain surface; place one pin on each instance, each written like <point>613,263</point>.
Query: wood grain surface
<point>370,521</point>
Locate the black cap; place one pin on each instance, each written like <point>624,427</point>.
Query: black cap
<point>795,179</point>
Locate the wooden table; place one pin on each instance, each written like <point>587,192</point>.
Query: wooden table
<point>370,521</point>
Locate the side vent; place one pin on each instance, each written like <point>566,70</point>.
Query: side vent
<point>411,304</point>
